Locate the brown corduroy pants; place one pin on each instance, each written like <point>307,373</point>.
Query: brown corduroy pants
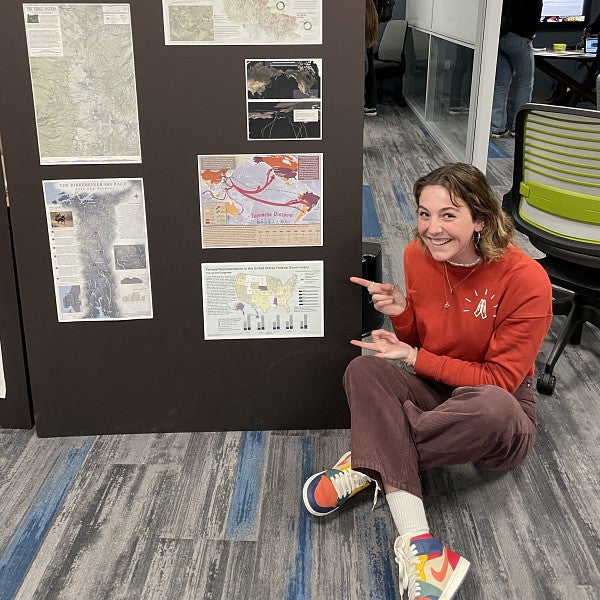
<point>402,424</point>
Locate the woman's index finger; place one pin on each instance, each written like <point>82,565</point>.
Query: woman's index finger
<point>361,281</point>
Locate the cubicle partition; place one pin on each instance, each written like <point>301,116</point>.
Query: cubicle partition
<point>15,407</point>
<point>185,188</point>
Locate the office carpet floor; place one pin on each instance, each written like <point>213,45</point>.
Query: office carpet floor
<point>219,515</point>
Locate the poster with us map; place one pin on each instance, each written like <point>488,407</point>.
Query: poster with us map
<point>254,200</point>
<point>83,82</point>
<point>245,22</point>
<point>256,300</point>
<point>284,98</point>
<point>99,249</point>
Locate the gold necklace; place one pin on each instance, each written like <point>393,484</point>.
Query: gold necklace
<point>453,287</point>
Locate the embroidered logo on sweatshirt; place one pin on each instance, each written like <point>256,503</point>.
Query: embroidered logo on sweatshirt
<point>482,306</point>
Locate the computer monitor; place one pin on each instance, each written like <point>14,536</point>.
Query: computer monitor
<point>591,45</point>
<point>565,13</point>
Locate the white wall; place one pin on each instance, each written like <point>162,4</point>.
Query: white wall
<point>420,13</point>
<point>456,19</point>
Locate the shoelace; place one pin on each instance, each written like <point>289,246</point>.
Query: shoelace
<point>345,482</point>
<point>406,557</point>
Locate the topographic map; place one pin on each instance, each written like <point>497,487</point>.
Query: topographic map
<point>261,200</point>
<point>258,300</point>
<point>98,244</point>
<point>83,81</point>
<point>242,21</point>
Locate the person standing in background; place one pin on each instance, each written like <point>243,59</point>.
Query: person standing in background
<point>520,19</point>
<point>371,33</point>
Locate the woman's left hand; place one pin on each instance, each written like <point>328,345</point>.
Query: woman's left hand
<point>385,344</point>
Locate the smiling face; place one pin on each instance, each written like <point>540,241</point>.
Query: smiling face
<point>446,227</point>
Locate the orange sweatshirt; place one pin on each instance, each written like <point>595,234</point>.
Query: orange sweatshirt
<point>494,327</point>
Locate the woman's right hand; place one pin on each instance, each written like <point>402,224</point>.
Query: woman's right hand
<point>387,298</point>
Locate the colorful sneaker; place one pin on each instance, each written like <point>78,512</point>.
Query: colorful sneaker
<point>428,569</point>
<point>326,491</point>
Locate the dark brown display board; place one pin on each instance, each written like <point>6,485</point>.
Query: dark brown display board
<point>15,408</point>
<point>160,374</point>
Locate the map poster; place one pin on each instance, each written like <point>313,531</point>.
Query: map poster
<point>99,249</point>
<point>261,200</point>
<point>247,22</point>
<point>284,99</point>
<point>83,82</point>
<point>263,300</point>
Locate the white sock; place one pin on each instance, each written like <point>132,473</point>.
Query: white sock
<point>408,513</point>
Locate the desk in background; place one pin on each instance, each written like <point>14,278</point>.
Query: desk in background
<point>577,91</point>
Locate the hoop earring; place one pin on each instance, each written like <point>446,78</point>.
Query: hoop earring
<point>477,237</point>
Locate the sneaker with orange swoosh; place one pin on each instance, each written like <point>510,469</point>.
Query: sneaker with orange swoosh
<point>327,490</point>
<point>428,569</point>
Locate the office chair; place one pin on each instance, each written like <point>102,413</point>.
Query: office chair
<point>555,202</point>
<point>389,57</point>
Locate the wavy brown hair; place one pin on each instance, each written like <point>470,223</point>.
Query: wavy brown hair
<point>470,185</point>
<point>371,23</point>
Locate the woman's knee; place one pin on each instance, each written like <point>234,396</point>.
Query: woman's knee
<point>366,366</point>
<point>497,409</point>
<point>371,368</point>
<point>374,377</point>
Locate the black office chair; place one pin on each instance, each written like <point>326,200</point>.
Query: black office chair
<point>389,61</point>
<point>555,202</point>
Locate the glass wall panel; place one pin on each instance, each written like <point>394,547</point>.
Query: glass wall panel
<point>452,94</point>
<point>451,71</point>
<point>416,50</point>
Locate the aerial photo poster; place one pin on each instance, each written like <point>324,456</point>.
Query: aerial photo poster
<point>261,200</point>
<point>263,300</point>
<point>284,98</point>
<point>246,22</point>
<point>83,82</point>
<point>99,249</point>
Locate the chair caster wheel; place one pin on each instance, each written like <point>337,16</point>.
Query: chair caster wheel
<point>546,383</point>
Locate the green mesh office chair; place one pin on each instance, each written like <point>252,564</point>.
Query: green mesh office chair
<point>555,202</point>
